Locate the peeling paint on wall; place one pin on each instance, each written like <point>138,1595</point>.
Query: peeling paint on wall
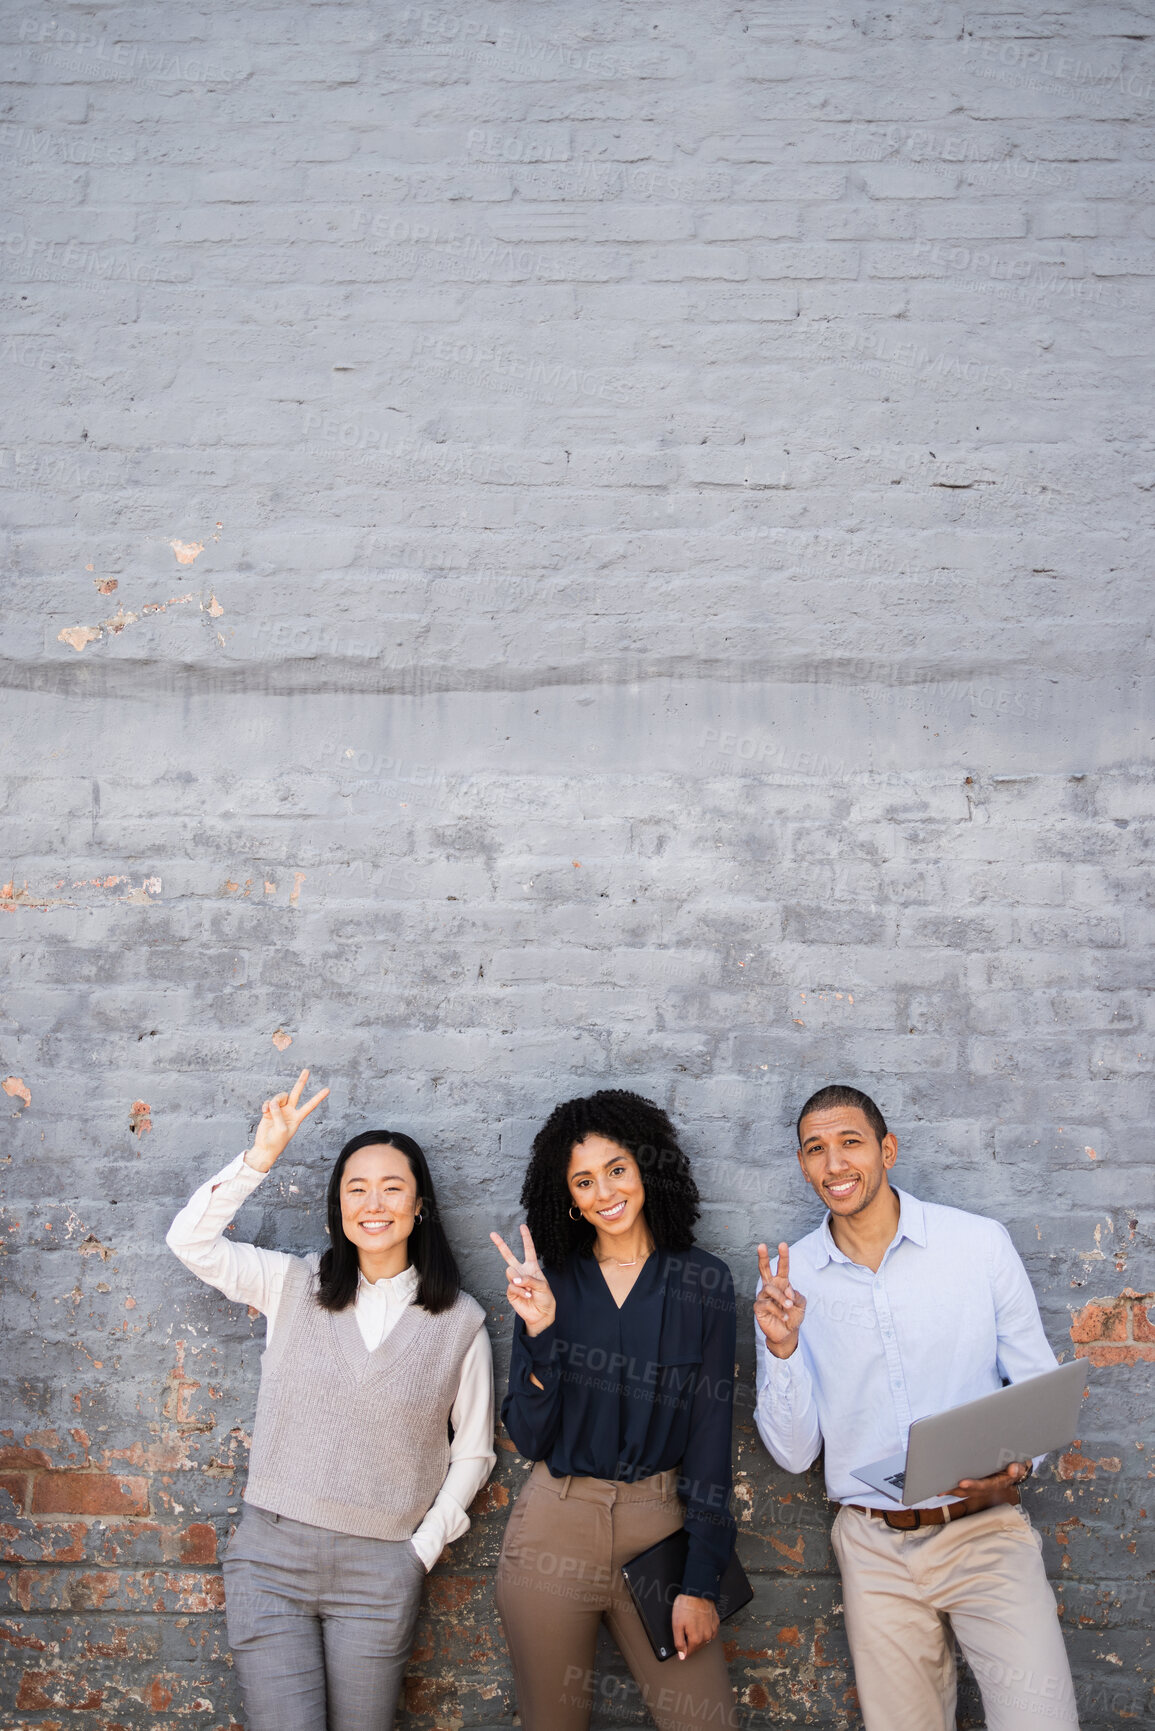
<point>140,1118</point>
<point>79,636</point>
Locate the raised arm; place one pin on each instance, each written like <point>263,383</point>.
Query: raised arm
<point>281,1118</point>
<point>244,1273</point>
<point>531,1411</point>
<point>785,1412</point>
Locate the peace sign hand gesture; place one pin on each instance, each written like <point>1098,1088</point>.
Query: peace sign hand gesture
<point>779,1307</point>
<point>281,1118</point>
<point>527,1288</point>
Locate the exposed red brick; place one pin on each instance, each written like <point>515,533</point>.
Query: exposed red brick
<point>1116,1354</point>
<point>426,1694</point>
<point>451,1592</point>
<point>493,1496</point>
<point>9,1633</point>
<point>35,1686</point>
<point>795,1551</point>
<point>422,1650</point>
<point>42,1439</point>
<point>16,1458</point>
<point>1100,1321</point>
<point>198,1543</point>
<point>118,1647</point>
<point>1074,1465</point>
<point>157,1696</point>
<point>1143,1319</point>
<point>80,1493</point>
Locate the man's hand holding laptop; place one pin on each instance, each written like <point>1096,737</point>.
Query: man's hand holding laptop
<point>1000,1487</point>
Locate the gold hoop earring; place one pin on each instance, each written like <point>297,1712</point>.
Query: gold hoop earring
<point>574,1213</point>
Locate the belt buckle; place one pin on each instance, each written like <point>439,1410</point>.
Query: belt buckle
<point>897,1524</point>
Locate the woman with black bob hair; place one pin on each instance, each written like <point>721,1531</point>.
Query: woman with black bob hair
<point>621,1392</point>
<point>373,1433</point>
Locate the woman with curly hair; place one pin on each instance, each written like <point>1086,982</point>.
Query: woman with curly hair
<point>621,1392</point>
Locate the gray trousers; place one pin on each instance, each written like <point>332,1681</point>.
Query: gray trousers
<point>320,1623</point>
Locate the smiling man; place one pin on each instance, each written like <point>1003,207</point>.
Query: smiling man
<point>893,1309</point>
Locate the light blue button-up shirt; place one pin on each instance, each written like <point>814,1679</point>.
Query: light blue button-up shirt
<point>948,1317</point>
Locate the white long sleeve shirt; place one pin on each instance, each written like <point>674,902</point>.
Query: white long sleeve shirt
<point>249,1275</point>
<point>949,1314</point>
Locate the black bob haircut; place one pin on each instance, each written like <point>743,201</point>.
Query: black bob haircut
<point>841,1094</point>
<point>672,1204</point>
<point>438,1276</point>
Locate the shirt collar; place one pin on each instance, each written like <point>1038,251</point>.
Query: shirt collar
<point>396,1286</point>
<point>911,1224</point>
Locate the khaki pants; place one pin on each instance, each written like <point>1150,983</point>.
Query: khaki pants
<point>560,1575</point>
<point>980,1578</point>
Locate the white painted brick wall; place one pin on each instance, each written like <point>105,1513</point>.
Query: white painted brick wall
<point>551,546</point>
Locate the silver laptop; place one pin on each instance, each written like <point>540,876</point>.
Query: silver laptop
<point>983,1436</point>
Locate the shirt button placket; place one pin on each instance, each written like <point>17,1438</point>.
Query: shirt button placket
<point>890,1351</point>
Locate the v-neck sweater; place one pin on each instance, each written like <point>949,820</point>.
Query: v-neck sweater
<point>348,1439</point>
<point>638,1389</point>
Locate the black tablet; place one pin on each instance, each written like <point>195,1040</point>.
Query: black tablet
<point>654,1578</point>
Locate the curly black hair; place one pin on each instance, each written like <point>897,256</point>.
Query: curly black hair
<point>672,1204</point>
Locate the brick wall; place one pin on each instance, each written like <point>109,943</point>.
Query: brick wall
<point>550,546</point>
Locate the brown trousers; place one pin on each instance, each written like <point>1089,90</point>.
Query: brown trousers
<point>560,1575</point>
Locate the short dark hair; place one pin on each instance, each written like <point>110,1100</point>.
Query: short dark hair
<point>841,1094</point>
<point>672,1204</point>
<point>438,1276</point>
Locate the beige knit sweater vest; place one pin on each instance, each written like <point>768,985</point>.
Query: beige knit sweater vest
<point>348,1439</point>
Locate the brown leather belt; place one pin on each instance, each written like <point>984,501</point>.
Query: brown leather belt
<point>909,1520</point>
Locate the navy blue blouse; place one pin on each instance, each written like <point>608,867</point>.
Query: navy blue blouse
<point>638,1390</point>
